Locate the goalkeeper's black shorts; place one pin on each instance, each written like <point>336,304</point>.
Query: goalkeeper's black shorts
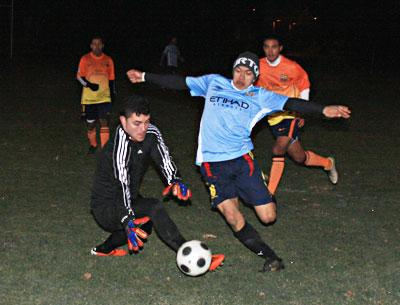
<point>108,217</point>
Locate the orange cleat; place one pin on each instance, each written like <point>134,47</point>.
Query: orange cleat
<point>216,261</point>
<point>115,252</point>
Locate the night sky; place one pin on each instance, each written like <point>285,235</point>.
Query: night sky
<point>142,28</point>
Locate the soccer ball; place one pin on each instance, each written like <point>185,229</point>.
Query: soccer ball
<point>193,258</point>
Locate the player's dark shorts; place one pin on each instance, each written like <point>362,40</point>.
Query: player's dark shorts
<point>97,111</point>
<point>287,128</point>
<point>240,177</point>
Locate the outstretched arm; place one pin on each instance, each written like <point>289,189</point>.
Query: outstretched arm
<point>330,111</point>
<point>169,81</point>
<point>162,158</point>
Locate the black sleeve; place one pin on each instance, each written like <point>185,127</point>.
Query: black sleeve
<point>120,155</point>
<point>161,157</point>
<point>84,82</point>
<point>111,84</point>
<point>303,106</point>
<point>169,81</point>
<point>113,90</point>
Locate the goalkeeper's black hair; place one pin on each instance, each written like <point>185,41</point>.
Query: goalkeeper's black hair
<point>135,104</point>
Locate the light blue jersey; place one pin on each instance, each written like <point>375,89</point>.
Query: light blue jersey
<point>229,115</point>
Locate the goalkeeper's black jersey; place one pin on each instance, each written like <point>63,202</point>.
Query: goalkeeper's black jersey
<point>122,166</point>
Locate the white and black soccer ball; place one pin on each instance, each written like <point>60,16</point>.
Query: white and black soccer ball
<point>193,258</point>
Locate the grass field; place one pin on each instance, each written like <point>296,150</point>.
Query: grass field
<point>341,244</point>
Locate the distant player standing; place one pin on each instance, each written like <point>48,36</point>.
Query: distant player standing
<point>96,74</point>
<point>284,76</point>
<point>171,56</point>
<point>232,108</point>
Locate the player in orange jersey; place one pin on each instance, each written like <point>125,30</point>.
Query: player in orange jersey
<point>282,75</point>
<point>96,74</point>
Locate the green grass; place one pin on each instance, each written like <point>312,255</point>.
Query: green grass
<point>340,243</point>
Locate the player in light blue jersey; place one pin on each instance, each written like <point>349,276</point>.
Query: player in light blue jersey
<point>229,116</point>
<point>232,108</point>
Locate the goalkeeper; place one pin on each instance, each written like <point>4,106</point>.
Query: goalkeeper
<point>116,203</point>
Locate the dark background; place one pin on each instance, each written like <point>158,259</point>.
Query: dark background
<point>354,35</point>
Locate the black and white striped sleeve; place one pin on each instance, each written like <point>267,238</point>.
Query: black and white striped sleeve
<point>161,156</point>
<point>121,156</point>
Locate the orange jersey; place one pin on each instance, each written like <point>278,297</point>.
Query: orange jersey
<point>286,78</point>
<point>98,70</point>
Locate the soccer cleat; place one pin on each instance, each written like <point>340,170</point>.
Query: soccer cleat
<point>115,252</point>
<point>216,261</point>
<point>332,172</point>
<point>91,150</point>
<point>272,265</point>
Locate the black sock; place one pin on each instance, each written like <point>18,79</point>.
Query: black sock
<point>115,240</point>
<point>252,240</point>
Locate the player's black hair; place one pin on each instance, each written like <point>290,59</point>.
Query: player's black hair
<point>273,37</point>
<point>135,104</point>
<point>97,37</point>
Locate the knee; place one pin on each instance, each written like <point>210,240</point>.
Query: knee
<point>103,122</point>
<point>278,150</point>
<point>299,158</point>
<point>268,217</point>
<point>91,124</point>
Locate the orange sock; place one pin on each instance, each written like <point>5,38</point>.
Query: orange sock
<point>104,135</point>
<point>312,159</point>
<point>91,134</point>
<point>275,175</point>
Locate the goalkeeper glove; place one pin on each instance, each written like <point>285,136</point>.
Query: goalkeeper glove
<point>92,86</point>
<point>135,234</point>
<point>179,189</point>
